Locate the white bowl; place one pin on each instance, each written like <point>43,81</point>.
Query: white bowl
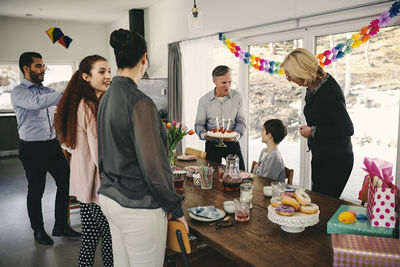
<point>267,191</point>
<point>229,206</point>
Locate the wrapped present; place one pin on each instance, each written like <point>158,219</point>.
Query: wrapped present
<point>357,250</point>
<point>381,205</point>
<point>376,168</point>
<point>360,227</point>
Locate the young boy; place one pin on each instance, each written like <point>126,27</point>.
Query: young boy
<point>271,163</point>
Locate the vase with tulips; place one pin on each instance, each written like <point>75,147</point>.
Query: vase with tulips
<point>176,131</point>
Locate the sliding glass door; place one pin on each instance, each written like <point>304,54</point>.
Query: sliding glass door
<point>271,96</point>
<point>370,80</point>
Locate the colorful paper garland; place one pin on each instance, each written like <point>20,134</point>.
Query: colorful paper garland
<point>56,35</point>
<point>325,58</point>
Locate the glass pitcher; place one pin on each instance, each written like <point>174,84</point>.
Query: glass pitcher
<point>231,179</point>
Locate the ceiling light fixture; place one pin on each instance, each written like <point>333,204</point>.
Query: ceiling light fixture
<point>195,19</point>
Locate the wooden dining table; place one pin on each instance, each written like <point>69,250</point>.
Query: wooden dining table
<point>259,242</point>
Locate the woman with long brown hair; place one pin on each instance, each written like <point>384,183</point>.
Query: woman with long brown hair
<point>76,123</point>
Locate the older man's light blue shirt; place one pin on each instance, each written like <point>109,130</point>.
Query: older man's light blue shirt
<point>34,108</point>
<point>229,107</point>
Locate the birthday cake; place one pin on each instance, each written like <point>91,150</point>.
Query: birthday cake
<point>221,133</point>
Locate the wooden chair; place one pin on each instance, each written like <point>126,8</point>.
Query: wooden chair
<point>178,241</point>
<point>196,152</point>
<point>289,173</point>
<point>73,202</point>
<point>192,254</point>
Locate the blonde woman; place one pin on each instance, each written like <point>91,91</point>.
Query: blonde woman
<point>329,127</point>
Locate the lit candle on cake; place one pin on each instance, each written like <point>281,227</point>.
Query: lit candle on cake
<point>229,124</point>
<point>223,123</point>
<point>216,120</point>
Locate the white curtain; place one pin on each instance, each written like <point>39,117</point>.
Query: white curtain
<point>197,66</point>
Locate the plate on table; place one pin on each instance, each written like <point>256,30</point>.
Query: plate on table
<point>186,157</point>
<point>246,175</point>
<point>221,214</point>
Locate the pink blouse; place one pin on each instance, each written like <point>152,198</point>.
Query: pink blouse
<point>84,176</point>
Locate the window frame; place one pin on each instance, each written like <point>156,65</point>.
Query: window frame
<point>322,26</point>
<point>71,63</point>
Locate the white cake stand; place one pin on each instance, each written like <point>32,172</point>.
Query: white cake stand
<point>293,224</point>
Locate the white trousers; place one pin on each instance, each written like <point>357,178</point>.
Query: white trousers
<point>138,235</point>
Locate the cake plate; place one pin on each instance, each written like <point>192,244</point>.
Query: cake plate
<point>293,224</point>
<point>221,143</point>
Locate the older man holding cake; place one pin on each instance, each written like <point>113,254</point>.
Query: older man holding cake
<point>220,116</point>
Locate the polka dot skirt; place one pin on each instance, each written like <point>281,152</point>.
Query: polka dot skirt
<point>94,226</point>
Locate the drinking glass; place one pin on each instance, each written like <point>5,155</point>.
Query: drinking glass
<point>242,209</point>
<point>221,170</point>
<point>205,180</point>
<point>246,191</point>
<point>179,180</point>
<point>277,189</point>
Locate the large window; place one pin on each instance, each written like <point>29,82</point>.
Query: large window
<point>370,79</point>
<point>9,78</point>
<point>57,76</point>
<point>273,97</point>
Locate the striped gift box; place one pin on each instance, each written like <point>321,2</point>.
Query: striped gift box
<point>357,250</point>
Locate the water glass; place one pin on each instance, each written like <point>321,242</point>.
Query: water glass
<point>277,189</point>
<point>242,209</point>
<point>246,190</point>
<point>221,170</point>
<point>179,180</point>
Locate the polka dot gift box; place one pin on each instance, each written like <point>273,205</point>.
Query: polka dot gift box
<point>381,206</point>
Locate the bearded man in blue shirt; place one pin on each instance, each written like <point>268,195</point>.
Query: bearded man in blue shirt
<point>39,150</point>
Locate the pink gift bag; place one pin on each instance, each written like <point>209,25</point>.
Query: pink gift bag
<point>381,206</point>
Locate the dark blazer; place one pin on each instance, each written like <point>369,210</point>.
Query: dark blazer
<point>326,109</point>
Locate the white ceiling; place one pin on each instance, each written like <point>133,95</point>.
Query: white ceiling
<point>103,11</point>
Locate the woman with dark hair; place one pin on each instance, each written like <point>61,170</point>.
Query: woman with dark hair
<point>136,192</point>
<point>76,122</point>
<point>329,127</point>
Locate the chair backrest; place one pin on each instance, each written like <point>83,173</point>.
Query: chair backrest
<point>253,165</point>
<point>196,152</point>
<point>172,239</point>
<point>289,173</point>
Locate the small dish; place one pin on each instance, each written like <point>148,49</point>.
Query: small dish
<point>246,175</point>
<point>267,190</point>
<point>185,157</point>
<point>229,206</point>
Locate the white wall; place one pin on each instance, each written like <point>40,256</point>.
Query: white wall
<point>166,21</point>
<point>21,35</point>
